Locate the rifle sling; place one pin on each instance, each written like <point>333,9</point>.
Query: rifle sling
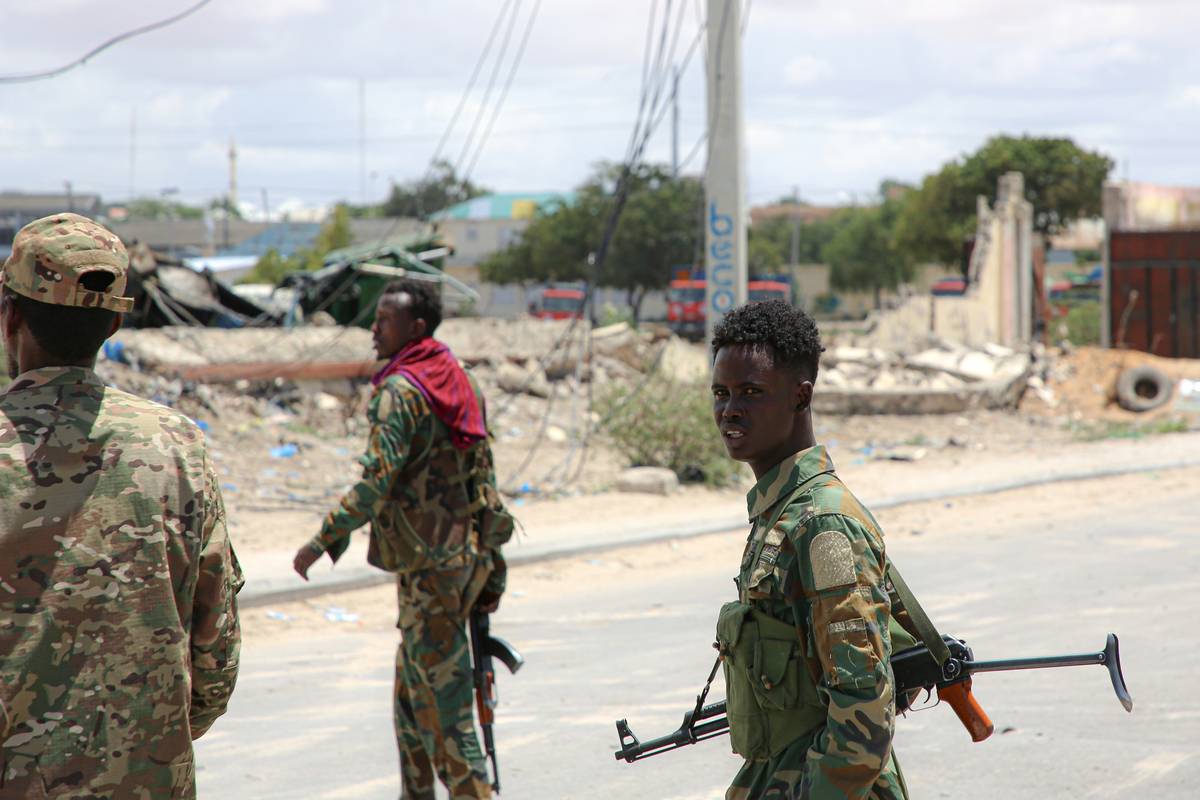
<point>929,634</point>
<point>925,628</point>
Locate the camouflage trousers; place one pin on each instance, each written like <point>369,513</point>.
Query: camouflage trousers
<point>435,723</point>
<point>786,777</point>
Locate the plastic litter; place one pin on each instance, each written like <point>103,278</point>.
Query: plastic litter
<point>115,351</point>
<point>335,614</point>
<point>279,616</point>
<point>284,451</point>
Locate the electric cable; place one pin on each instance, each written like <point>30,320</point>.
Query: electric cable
<point>95,51</point>
<point>512,72</point>
<point>483,56</point>
<point>487,92</point>
<point>462,101</point>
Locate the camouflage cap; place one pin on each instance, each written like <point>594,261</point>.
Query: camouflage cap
<point>51,255</point>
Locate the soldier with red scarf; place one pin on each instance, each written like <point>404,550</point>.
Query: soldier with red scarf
<point>427,477</point>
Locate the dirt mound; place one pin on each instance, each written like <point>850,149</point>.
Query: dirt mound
<point>1082,385</point>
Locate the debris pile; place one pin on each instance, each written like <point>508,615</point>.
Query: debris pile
<point>1079,384</point>
<point>941,379</point>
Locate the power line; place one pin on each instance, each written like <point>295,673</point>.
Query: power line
<point>487,93</point>
<point>50,73</point>
<point>647,120</point>
<point>462,101</point>
<point>512,72</point>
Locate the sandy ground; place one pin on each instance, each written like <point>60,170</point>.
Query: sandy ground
<point>626,633</point>
<point>1022,512</point>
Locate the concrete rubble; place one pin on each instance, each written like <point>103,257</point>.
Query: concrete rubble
<point>942,378</point>
<point>648,480</point>
<point>550,359</point>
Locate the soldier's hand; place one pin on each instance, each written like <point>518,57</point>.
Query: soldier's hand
<point>488,603</point>
<point>305,558</point>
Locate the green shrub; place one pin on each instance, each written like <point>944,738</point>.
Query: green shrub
<point>668,423</point>
<point>1082,324</point>
<point>611,315</point>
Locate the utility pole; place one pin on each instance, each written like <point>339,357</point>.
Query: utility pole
<point>675,125</point>
<point>232,198</point>
<point>796,226</point>
<point>724,181</point>
<point>266,205</point>
<point>70,196</point>
<point>362,141</point>
<point>132,149</point>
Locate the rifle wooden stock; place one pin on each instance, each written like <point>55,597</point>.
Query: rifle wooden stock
<point>970,713</point>
<point>484,647</point>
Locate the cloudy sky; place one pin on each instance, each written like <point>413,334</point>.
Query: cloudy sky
<point>839,94</point>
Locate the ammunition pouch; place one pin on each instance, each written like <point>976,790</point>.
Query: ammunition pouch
<point>771,698</point>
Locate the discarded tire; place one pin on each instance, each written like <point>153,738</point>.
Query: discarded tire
<point>1143,388</point>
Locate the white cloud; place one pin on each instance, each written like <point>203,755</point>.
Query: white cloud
<point>806,70</point>
<point>838,95</point>
<point>1186,97</point>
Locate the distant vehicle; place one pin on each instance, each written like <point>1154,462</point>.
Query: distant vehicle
<point>556,303</point>
<point>949,287</point>
<point>685,302</point>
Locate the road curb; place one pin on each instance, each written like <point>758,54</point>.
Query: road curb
<point>364,577</point>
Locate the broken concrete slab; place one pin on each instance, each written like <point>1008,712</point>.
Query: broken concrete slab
<point>648,480</point>
<point>522,380</point>
<point>993,394</point>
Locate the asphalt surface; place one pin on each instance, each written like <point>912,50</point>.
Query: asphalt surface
<point>626,634</point>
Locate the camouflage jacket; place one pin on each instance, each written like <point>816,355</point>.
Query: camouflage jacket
<point>119,632</point>
<point>823,560</point>
<point>419,492</point>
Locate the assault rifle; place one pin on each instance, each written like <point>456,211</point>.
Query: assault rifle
<point>485,647</point>
<point>915,669</point>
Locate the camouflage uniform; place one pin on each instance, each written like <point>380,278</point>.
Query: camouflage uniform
<point>118,619</point>
<point>820,691</point>
<point>421,494</point>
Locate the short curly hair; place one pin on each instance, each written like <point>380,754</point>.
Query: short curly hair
<point>426,299</point>
<point>790,334</point>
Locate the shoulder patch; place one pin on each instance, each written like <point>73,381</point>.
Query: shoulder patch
<point>832,560</point>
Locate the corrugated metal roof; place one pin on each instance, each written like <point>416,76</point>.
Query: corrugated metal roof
<point>509,205</point>
<point>284,238</point>
<point>42,204</point>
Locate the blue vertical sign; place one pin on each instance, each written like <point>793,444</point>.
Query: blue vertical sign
<point>720,266</point>
<point>724,186</point>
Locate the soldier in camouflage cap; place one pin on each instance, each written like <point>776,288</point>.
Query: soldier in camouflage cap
<point>806,647</point>
<point>118,618</point>
<point>428,491</point>
<point>68,260</point>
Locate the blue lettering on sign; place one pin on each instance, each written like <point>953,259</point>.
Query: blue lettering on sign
<point>721,271</point>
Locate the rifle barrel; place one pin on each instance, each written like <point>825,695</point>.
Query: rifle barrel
<point>1041,662</point>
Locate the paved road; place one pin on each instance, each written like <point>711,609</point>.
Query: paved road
<point>627,633</point>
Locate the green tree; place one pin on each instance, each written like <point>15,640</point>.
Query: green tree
<point>658,230</point>
<point>1062,180</point>
<point>862,255</point>
<point>334,234</point>
<point>440,188</point>
<point>770,242</point>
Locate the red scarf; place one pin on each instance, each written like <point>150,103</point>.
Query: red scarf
<point>432,369</point>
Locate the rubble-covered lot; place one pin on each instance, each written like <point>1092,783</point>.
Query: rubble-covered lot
<point>286,434</point>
